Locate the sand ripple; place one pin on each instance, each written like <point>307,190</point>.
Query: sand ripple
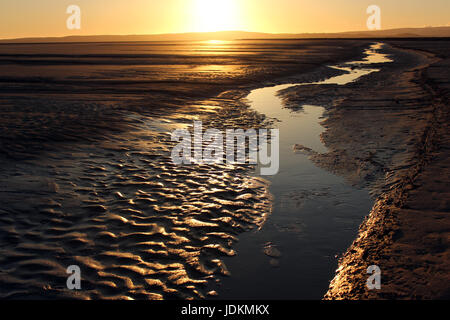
<point>138,226</point>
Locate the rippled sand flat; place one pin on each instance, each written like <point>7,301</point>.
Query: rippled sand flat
<point>137,225</point>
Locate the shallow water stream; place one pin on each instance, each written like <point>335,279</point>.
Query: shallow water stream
<point>315,213</point>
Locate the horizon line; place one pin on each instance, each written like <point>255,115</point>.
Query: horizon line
<point>216,32</point>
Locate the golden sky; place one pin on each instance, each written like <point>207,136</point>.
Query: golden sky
<point>31,18</point>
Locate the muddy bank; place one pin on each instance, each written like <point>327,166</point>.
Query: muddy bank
<point>390,133</point>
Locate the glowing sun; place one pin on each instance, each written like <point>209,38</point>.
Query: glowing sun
<point>215,15</point>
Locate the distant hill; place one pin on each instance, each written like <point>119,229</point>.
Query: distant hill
<point>234,35</point>
<point>404,32</point>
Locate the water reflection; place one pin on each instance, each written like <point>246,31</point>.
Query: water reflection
<point>315,213</point>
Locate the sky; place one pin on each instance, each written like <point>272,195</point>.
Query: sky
<point>40,18</point>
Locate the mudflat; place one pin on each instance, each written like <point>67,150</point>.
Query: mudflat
<point>87,177</point>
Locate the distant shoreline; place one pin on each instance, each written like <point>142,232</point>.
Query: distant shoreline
<point>259,39</point>
<point>403,33</point>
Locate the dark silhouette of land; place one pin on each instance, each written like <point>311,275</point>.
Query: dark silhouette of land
<point>235,35</point>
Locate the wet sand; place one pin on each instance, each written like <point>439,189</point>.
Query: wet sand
<point>87,177</point>
<point>73,92</point>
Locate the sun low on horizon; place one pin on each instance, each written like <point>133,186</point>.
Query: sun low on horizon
<point>215,15</point>
<point>47,18</point>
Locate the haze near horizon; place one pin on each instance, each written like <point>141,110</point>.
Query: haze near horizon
<point>118,17</point>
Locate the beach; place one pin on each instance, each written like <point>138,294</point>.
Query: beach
<point>87,176</point>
